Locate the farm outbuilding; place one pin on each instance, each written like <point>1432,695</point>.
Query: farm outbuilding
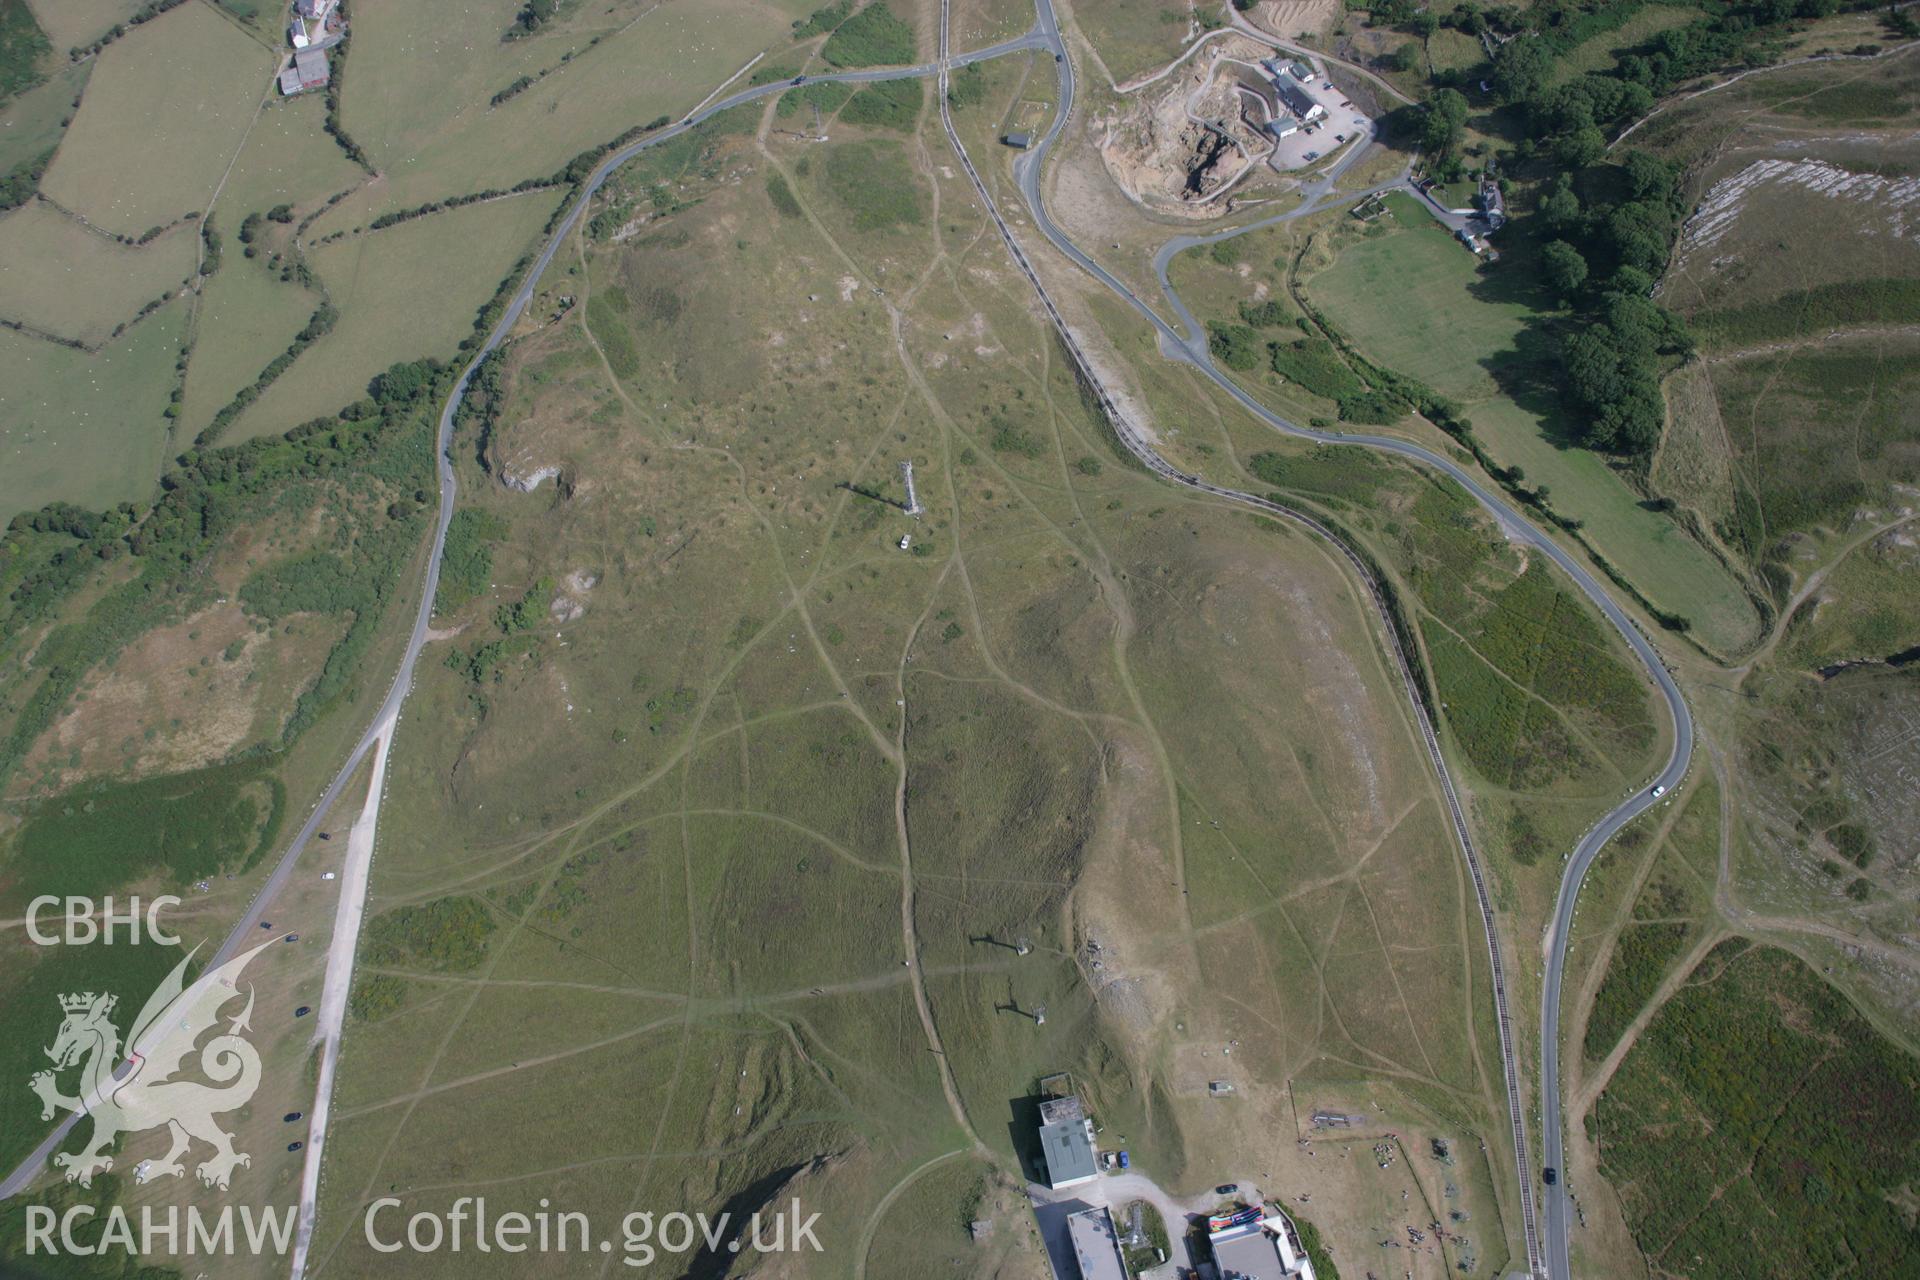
<point>311,67</point>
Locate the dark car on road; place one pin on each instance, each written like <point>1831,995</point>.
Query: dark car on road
<point>1550,1174</point>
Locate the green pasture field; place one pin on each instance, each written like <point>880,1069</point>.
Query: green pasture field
<point>1535,689</point>
<point>80,284</point>
<point>1600,53</point>
<point>1415,300</point>
<point>1408,300</point>
<point>288,159</point>
<point>164,113</point>
<point>780,780</point>
<point>60,277</point>
<point>1654,553</point>
<point>31,122</point>
<point>403,293</point>
<point>263,17</point>
<point>1757,1096</point>
<point>86,428</point>
<point>417,92</point>
<point>1133,37</point>
<point>246,317</point>
<point>189,826</point>
<point>78,22</point>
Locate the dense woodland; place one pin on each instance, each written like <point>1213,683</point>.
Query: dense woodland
<point>1597,228</point>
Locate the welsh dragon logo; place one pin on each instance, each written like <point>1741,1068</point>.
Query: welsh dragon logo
<point>149,1094</point>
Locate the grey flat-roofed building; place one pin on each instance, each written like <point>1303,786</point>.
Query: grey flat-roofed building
<point>1019,141</point>
<point>1267,1250</point>
<point>1068,1150</point>
<point>1247,1254</point>
<point>1096,1246</point>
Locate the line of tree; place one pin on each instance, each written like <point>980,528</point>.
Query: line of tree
<point>145,13</point>
<point>1602,261</point>
<point>336,79</point>
<point>318,325</point>
<point>147,308</point>
<point>398,216</point>
<point>210,237</point>
<point>581,167</point>
<point>525,83</point>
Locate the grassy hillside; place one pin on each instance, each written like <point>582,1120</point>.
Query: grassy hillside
<point>1793,434</point>
<point>778,801</point>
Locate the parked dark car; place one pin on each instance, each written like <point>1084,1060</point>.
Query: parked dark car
<point>291,1116</point>
<point>303,1011</point>
<point>1226,1188</point>
<point>295,1146</point>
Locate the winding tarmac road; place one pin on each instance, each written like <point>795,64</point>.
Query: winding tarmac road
<point>1186,344</point>
<point>1550,1258</point>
